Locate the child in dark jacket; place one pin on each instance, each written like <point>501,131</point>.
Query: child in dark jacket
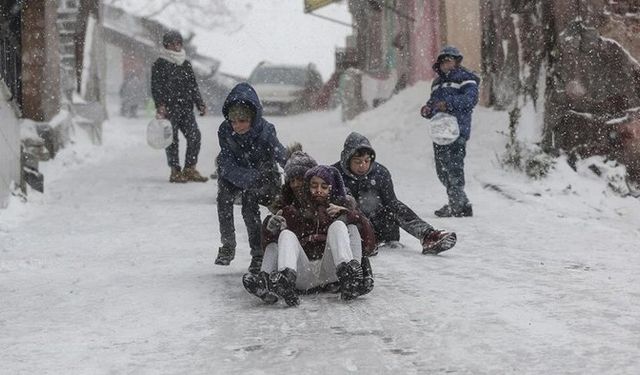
<point>247,168</point>
<point>370,183</point>
<point>315,241</point>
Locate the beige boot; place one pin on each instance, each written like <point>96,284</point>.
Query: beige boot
<point>177,176</point>
<point>192,174</point>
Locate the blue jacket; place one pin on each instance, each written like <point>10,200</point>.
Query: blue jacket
<point>459,89</point>
<point>248,160</point>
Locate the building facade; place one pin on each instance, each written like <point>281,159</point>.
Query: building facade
<point>396,42</point>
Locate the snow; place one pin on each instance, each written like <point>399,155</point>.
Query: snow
<point>111,269</point>
<point>255,31</point>
<point>264,30</point>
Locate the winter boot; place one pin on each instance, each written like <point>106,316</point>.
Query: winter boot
<point>444,211</point>
<point>256,264</point>
<point>177,176</point>
<point>284,285</point>
<point>438,241</point>
<point>225,256</point>
<point>367,277</point>
<point>260,286</point>
<point>351,280</point>
<point>192,174</point>
<point>466,211</point>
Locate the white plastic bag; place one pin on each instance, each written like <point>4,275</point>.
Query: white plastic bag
<point>444,128</point>
<point>159,133</point>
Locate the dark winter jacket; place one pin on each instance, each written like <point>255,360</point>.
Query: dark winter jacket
<point>248,160</point>
<point>459,89</point>
<point>310,223</point>
<point>374,190</point>
<point>174,86</point>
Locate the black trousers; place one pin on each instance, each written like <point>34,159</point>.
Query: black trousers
<point>251,201</point>
<point>185,122</point>
<point>388,221</point>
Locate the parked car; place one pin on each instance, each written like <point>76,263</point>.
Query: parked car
<point>285,89</point>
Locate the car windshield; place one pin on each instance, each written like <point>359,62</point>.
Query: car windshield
<point>279,75</point>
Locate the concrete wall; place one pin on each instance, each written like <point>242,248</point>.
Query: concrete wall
<point>462,29</point>
<point>425,38</point>
<point>9,146</point>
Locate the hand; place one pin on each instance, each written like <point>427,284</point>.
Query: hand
<point>161,112</point>
<point>276,222</point>
<point>335,210</point>
<point>425,111</point>
<point>441,106</point>
<point>202,109</point>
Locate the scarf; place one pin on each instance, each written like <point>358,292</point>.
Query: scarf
<point>177,58</point>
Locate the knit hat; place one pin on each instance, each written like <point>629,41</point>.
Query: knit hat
<point>241,111</point>
<point>297,165</point>
<point>331,176</point>
<point>171,37</point>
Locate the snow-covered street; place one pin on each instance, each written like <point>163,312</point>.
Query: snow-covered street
<point>111,270</point>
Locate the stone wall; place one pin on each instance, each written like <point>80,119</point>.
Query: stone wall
<point>582,53</point>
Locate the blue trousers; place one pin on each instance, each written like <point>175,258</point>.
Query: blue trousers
<point>450,169</point>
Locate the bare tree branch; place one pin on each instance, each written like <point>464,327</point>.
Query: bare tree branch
<point>201,13</point>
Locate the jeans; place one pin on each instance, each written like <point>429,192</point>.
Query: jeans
<point>450,169</point>
<point>185,122</point>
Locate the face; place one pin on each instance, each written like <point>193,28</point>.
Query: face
<point>296,185</point>
<point>241,126</point>
<point>175,46</point>
<point>447,64</point>
<point>359,165</point>
<point>319,189</point>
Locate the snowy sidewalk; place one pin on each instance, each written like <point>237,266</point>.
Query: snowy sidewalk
<point>111,270</point>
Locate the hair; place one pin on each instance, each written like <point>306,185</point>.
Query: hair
<point>364,151</point>
<point>171,37</point>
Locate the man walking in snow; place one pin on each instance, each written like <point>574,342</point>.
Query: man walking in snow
<point>454,91</point>
<point>370,183</point>
<point>175,91</point>
<point>247,167</point>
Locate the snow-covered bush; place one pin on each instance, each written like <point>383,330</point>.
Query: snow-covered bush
<point>527,158</point>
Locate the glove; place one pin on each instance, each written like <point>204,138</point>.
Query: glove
<point>425,111</point>
<point>276,223</point>
<point>442,106</point>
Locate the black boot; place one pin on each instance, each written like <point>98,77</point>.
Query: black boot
<point>367,277</point>
<point>225,256</point>
<point>256,264</point>
<point>260,286</point>
<point>465,211</point>
<point>284,285</point>
<point>351,280</point>
<point>444,211</point>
